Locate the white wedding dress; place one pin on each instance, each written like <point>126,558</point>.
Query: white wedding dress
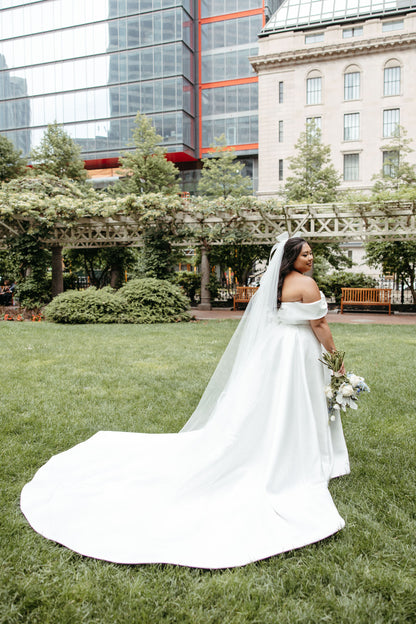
<point>249,483</point>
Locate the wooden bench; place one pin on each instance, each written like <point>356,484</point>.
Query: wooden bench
<point>243,294</point>
<point>366,297</point>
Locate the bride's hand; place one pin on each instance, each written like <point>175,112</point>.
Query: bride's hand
<point>342,369</point>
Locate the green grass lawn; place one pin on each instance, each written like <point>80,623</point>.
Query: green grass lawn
<point>62,384</point>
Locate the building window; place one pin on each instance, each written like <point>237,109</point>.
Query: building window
<point>392,77</point>
<point>314,90</point>
<point>314,37</point>
<point>352,86</point>
<point>351,167</point>
<point>281,131</point>
<point>347,33</point>
<point>312,125</point>
<point>396,25</point>
<point>280,169</point>
<point>281,92</point>
<point>391,121</point>
<point>390,163</point>
<point>352,127</point>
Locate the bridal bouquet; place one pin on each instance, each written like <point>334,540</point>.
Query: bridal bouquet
<point>344,389</point>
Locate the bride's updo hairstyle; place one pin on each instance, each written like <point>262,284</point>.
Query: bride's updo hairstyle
<point>292,249</point>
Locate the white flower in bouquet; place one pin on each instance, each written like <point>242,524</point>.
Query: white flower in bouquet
<point>328,392</point>
<point>333,413</point>
<point>347,390</point>
<point>343,391</point>
<point>354,380</point>
<point>345,402</point>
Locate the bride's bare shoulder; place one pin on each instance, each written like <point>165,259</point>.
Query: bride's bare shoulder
<point>298,287</point>
<point>310,290</point>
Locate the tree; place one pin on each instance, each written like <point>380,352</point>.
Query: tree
<point>397,257</point>
<point>221,175</point>
<point>239,258</point>
<point>314,179</point>
<point>397,173</point>
<point>12,164</point>
<point>29,209</point>
<point>58,155</point>
<point>147,169</point>
<point>103,266</point>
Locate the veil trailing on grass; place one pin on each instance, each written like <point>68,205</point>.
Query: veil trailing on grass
<point>255,324</point>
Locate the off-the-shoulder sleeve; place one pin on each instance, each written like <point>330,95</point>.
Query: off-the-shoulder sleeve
<point>315,310</point>
<point>293,312</point>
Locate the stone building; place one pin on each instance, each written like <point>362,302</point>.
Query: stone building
<point>347,65</point>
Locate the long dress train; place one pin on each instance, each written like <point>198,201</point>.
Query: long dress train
<point>251,483</point>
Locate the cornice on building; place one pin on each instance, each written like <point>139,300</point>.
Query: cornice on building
<point>269,62</point>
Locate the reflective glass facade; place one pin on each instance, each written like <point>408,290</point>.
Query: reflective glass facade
<point>228,83</point>
<point>91,65</point>
<point>300,14</point>
<point>211,8</point>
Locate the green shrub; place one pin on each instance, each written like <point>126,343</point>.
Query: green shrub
<point>139,301</point>
<point>34,293</point>
<point>213,286</point>
<point>150,300</point>
<point>332,284</point>
<point>86,306</point>
<point>190,283</point>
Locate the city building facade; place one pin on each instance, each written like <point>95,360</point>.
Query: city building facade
<point>91,66</point>
<point>347,66</point>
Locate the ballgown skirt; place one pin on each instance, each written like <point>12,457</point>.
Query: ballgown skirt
<point>253,482</point>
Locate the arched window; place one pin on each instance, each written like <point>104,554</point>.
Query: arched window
<point>314,87</point>
<point>392,77</point>
<point>352,83</point>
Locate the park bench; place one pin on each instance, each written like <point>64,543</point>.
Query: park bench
<point>366,297</point>
<point>243,294</point>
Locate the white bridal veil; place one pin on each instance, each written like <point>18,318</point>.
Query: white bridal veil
<point>255,324</point>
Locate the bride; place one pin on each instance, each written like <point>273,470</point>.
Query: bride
<point>245,479</point>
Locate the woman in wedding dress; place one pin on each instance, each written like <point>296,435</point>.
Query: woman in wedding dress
<point>245,479</point>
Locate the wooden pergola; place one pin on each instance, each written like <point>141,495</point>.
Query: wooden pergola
<point>315,222</point>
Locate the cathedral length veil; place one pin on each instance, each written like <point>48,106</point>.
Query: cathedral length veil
<point>247,476</point>
<point>253,327</point>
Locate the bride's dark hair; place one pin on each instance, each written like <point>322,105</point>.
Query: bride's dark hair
<point>292,249</point>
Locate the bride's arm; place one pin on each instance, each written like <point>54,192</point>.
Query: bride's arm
<point>321,330</point>
<point>320,326</point>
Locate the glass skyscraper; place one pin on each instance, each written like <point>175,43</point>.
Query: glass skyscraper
<point>91,65</point>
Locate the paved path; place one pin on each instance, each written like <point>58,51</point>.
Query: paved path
<point>358,318</point>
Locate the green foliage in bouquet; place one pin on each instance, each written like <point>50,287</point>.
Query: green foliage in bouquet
<point>334,360</point>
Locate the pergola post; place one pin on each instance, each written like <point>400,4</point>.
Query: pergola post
<point>115,275</point>
<point>57,271</point>
<point>205,294</point>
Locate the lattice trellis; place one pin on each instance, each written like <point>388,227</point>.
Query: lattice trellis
<point>394,221</point>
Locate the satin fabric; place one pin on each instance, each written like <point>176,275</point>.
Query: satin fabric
<point>250,484</point>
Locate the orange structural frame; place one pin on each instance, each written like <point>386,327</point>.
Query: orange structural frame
<point>222,83</point>
<point>228,16</point>
<point>246,147</point>
<point>228,83</point>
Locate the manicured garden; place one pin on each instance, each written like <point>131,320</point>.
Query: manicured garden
<point>62,383</point>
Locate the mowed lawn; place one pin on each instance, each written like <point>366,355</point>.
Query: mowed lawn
<point>59,385</point>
